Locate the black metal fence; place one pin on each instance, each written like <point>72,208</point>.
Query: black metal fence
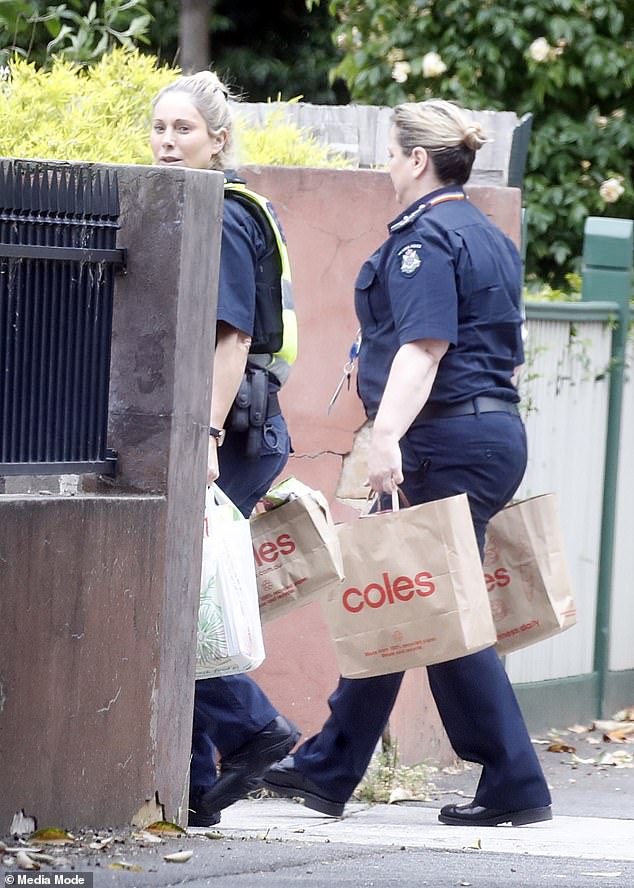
<point>58,226</point>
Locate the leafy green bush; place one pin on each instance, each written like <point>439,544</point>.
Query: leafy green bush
<point>282,143</point>
<point>570,290</point>
<point>569,62</point>
<point>102,113</point>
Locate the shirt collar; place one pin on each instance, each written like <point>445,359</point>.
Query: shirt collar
<point>425,203</point>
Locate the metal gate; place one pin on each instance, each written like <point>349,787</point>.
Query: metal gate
<point>58,228</point>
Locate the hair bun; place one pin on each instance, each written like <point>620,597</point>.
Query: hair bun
<point>473,136</point>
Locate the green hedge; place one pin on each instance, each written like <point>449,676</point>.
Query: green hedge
<point>102,114</point>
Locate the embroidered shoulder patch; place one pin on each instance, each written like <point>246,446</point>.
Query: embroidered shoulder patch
<point>410,260</point>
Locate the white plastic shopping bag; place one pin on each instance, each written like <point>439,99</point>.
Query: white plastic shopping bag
<point>229,629</point>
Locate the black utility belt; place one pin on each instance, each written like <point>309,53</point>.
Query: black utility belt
<point>255,402</point>
<point>274,405</point>
<point>480,404</point>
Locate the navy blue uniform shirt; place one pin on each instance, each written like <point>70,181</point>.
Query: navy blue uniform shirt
<point>243,244</point>
<point>444,273</point>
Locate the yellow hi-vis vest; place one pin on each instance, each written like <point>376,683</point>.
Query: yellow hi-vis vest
<point>274,342</point>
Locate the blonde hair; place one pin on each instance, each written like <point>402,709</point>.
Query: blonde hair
<point>209,95</point>
<point>445,131</point>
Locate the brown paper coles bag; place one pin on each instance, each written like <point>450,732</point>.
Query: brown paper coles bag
<point>413,592</point>
<point>526,574</point>
<point>296,549</point>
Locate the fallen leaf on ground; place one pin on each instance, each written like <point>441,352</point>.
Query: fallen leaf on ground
<point>51,836</point>
<point>583,761</point>
<point>610,726</point>
<point>476,845</point>
<point>124,865</point>
<point>21,825</point>
<point>145,836</point>
<point>150,812</point>
<point>580,729</point>
<point>23,860</point>
<point>624,734</point>
<point>165,828</point>
<point>625,714</point>
<point>619,758</point>
<point>560,747</point>
<point>100,844</point>
<point>178,856</point>
<point>42,858</point>
<point>399,794</point>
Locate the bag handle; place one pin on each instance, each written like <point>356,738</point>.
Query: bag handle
<point>398,497</point>
<point>217,497</point>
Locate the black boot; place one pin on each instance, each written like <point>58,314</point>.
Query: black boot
<point>240,771</point>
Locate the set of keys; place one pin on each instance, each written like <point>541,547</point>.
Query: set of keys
<point>348,367</point>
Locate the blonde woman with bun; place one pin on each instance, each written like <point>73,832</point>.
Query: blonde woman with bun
<point>439,305</point>
<point>192,126</point>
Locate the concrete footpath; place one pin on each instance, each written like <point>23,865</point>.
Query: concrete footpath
<point>278,842</point>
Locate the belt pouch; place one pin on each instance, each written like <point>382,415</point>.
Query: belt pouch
<point>258,408</point>
<point>239,415</point>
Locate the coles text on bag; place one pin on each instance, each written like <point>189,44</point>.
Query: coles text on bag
<point>526,573</point>
<point>413,592</point>
<point>296,548</point>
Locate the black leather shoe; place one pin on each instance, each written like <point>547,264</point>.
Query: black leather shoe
<point>476,815</point>
<point>285,780</point>
<point>239,772</point>
<point>199,814</point>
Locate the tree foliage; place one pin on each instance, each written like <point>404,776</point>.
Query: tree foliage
<point>569,62</point>
<point>78,30</point>
<point>264,50</point>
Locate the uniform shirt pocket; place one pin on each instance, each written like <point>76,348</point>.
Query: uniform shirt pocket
<point>366,282</point>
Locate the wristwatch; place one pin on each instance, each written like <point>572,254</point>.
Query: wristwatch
<point>218,434</point>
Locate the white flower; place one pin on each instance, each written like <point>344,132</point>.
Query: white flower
<point>433,65</point>
<point>401,71</point>
<point>5,72</point>
<point>540,49</point>
<point>611,190</point>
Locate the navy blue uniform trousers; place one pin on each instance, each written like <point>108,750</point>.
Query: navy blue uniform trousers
<point>229,710</point>
<point>485,456</point>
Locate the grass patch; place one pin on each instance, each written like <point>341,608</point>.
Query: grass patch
<point>388,781</point>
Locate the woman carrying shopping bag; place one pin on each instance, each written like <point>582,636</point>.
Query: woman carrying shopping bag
<point>192,126</point>
<point>440,315</point>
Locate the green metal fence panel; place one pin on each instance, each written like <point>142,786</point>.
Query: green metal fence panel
<point>607,275</point>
